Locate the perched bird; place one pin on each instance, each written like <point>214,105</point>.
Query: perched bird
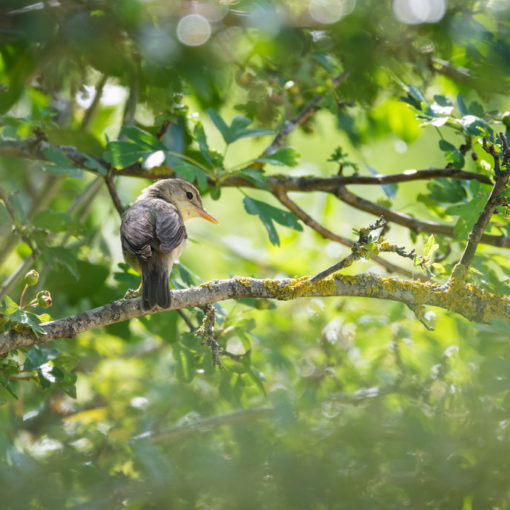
<point>153,234</point>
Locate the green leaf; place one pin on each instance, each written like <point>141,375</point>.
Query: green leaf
<point>473,125</point>
<point>142,138</point>
<point>468,215</point>
<point>191,172</point>
<point>61,256</point>
<point>430,246</point>
<point>238,129</point>
<point>54,221</point>
<point>286,156</point>
<point>415,93</point>
<point>62,165</point>
<point>254,175</point>
<point>55,155</point>
<point>202,142</point>
<point>11,306</point>
<point>436,122</point>
<point>37,356</point>
<point>258,378</point>
<point>93,164</point>
<point>219,123</point>
<point>267,214</point>
<point>461,105</point>
<point>452,154</point>
<point>447,190</point>
<point>121,154</point>
<point>28,319</point>
<point>390,190</point>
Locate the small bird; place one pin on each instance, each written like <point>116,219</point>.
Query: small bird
<point>153,235</point>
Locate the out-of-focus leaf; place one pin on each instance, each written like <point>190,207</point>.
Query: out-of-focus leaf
<point>452,154</point>
<point>55,221</point>
<point>93,164</point>
<point>238,129</point>
<point>390,190</point>
<point>62,164</point>
<point>121,154</point>
<point>286,156</point>
<point>142,138</point>
<point>267,214</point>
<point>191,172</point>
<point>202,141</point>
<point>61,256</point>
<point>253,175</point>
<point>461,105</point>
<point>468,215</point>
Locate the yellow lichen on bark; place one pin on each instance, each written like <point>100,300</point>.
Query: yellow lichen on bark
<point>243,280</point>
<point>299,287</point>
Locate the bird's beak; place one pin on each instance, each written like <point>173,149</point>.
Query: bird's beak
<point>207,216</point>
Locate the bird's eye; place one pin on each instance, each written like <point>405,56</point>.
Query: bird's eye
<point>189,195</point>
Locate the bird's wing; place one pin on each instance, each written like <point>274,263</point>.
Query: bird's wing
<point>170,230</point>
<point>150,225</point>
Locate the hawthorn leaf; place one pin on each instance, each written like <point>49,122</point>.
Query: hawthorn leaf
<point>269,214</point>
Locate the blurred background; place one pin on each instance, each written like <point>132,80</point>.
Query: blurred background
<point>321,403</point>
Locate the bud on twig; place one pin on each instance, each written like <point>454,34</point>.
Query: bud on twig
<point>31,278</point>
<point>44,299</point>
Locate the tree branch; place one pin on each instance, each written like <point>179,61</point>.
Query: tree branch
<point>113,194</point>
<point>327,234</point>
<point>408,221</point>
<point>493,201</point>
<point>33,149</point>
<point>88,117</point>
<point>464,299</point>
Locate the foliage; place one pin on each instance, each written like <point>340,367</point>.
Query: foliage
<point>338,403</point>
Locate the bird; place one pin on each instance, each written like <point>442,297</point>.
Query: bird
<point>153,235</point>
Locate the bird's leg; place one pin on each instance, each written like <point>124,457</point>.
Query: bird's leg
<point>132,293</point>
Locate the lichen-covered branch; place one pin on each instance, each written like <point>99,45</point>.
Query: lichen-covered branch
<point>464,299</point>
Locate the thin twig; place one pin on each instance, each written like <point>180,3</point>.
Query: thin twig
<point>12,214</point>
<point>132,100</point>
<point>357,251</point>
<point>186,319</point>
<point>114,195</point>
<point>206,332</point>
<point>88,117</point>
<point>327,234</point>
<point>418,313</point>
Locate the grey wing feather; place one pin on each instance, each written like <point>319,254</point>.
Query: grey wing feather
<point>170,229</point>
<point>151,225</point>
<point>137,232</point>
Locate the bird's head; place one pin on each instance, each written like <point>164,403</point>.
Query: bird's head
<point>182,194</point>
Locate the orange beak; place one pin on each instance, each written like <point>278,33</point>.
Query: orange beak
<point>207,216</point>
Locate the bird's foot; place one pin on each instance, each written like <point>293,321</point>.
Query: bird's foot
<point>131,293</point>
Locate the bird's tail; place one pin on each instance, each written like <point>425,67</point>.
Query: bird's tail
<point>155,287</point>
